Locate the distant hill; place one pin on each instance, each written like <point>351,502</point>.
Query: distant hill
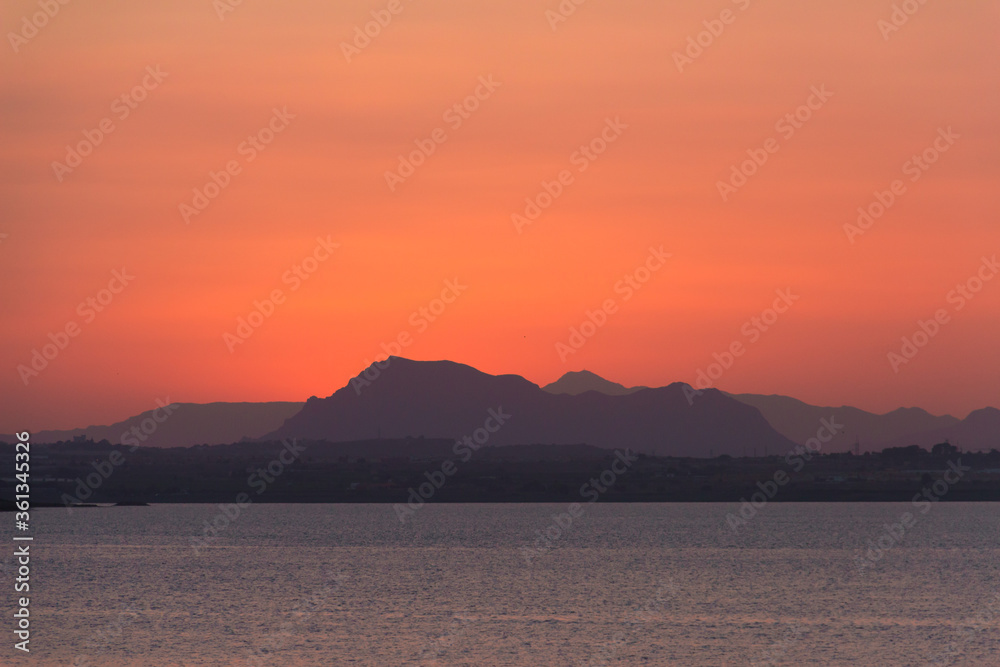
<point>446,399</point>
<point>187,424</point>
<point>979,431</point>
<point>899,428</point>
<point>798,420</point>
<point>575,383</point>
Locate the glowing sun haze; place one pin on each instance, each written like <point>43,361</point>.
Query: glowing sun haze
<point>336,127</point>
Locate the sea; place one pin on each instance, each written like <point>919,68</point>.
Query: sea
<point>511,584</point>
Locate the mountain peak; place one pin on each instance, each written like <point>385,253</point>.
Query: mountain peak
<point>580,382</point>
<point>400,374</point>
<point>985,418</point>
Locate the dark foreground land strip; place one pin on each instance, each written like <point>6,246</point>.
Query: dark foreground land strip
<point>387,471</point>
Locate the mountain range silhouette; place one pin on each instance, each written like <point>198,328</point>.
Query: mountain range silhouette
<point>399,398</point>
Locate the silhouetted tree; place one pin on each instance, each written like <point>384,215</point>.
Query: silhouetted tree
<point>944,449</point>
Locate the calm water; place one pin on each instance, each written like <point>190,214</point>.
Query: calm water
<point>624,585</point>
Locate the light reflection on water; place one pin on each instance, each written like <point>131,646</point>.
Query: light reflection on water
<point>637,584</point>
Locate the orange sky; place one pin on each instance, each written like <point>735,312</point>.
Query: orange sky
<point>656,185</point>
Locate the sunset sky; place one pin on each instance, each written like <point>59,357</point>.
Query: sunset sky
<point>345,115</point>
